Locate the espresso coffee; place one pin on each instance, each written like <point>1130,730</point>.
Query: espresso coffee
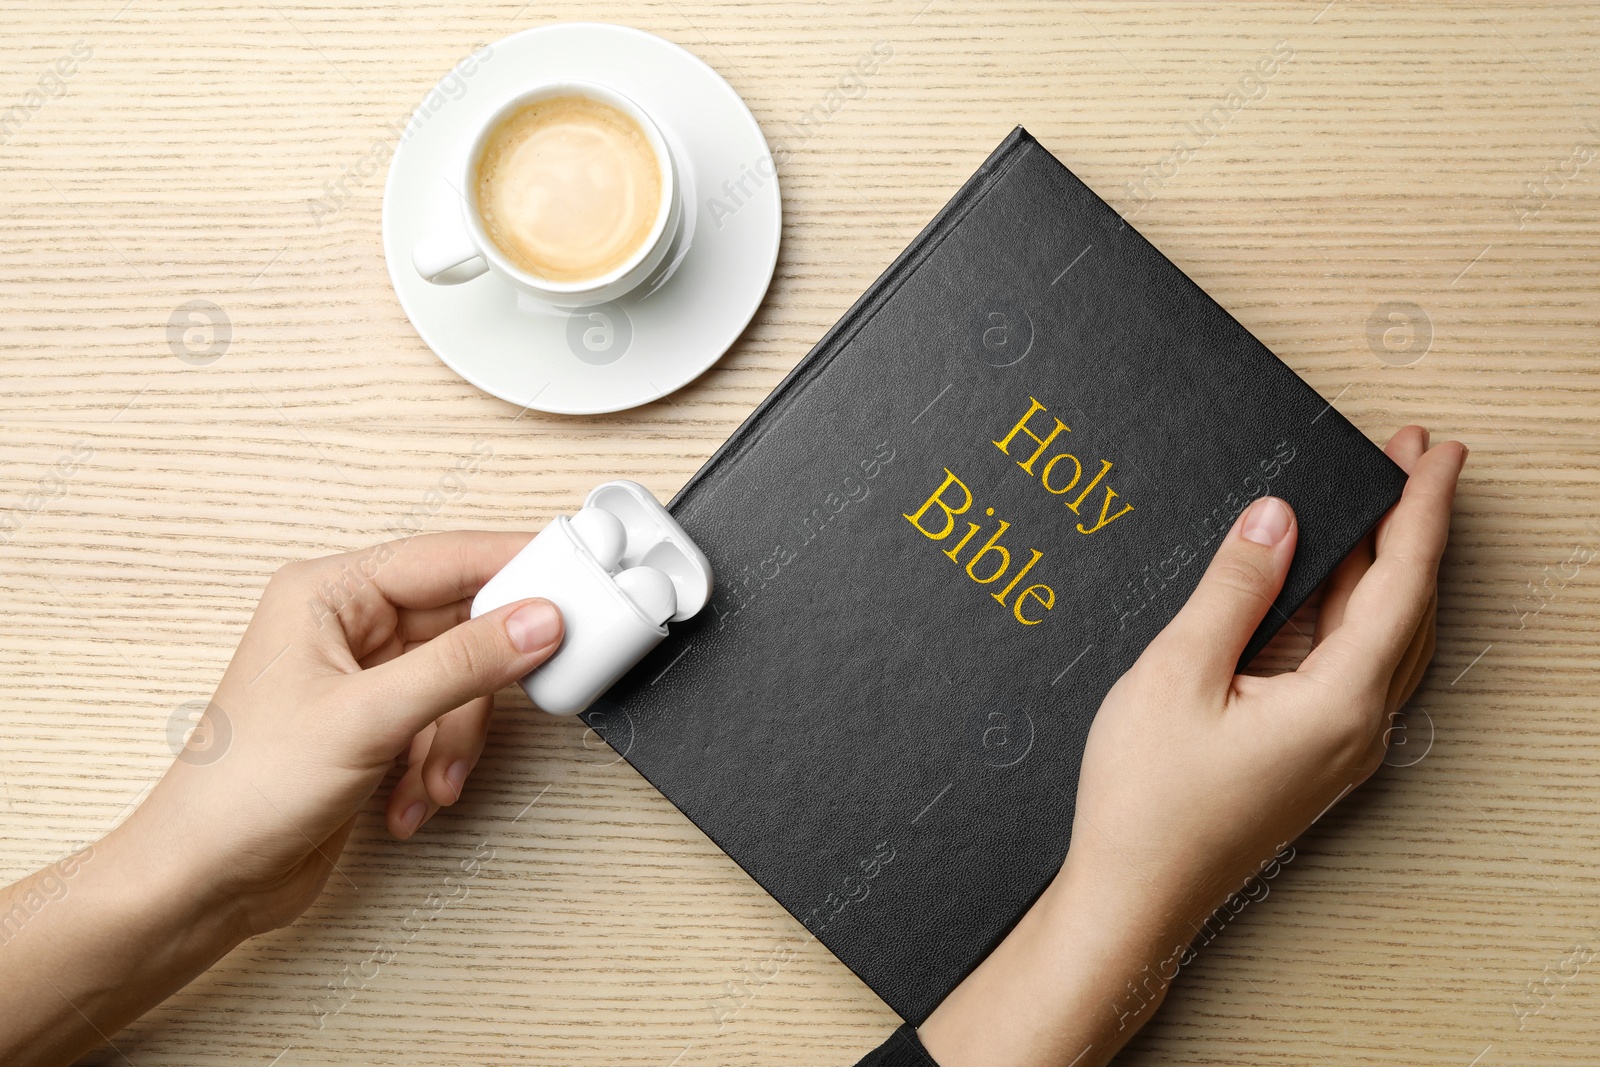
<point>568,188</point>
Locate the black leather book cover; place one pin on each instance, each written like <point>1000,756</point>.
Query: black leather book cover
<point>940,541</point>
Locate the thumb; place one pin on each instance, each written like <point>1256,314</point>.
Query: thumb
<point>1209,634</point>
<point>475,658</point>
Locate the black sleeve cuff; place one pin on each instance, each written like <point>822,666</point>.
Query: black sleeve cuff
<point>901,1050</point>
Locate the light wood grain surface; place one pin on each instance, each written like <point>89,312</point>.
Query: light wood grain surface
<point>1384,163</point>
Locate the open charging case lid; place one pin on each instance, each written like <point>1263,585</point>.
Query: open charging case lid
<point>656,540</point>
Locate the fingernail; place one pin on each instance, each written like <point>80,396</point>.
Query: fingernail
<point>456,776</point>
<point>534,626</point>
<point>1266,521</point>
<point>411,818</point>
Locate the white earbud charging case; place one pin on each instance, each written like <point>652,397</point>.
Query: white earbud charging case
<point>605,632</point>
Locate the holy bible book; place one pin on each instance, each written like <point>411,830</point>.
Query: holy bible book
<point>940,541</point>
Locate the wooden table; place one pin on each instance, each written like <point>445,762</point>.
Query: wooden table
<point>1435,162</point>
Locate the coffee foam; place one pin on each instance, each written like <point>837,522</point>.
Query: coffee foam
<point>568,188</point>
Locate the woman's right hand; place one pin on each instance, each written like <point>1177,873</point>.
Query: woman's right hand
<point>1194,777</point>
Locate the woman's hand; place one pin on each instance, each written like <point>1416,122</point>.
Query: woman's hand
<point>349,663</point>
<point>1194,776</point>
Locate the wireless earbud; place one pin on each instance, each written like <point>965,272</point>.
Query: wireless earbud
<point>603,534</point>
<point>619,570</point>
<point>651,592</point>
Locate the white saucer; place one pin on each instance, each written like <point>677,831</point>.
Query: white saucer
<point>662,335</point>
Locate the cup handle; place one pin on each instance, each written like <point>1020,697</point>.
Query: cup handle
<point>438,256</point>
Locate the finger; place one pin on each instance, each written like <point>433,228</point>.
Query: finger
<point>412,626</point>
<point>1340,584</point>
<point>363,590</point>
<point>1210,632</point>
<point>1404,448</point>
<point>1413,665</point>
<point>1424,662</point>
<point>417,751</point>
<point>1403,670</point>
<point>1400,690</point>
<point>477,658</point>
<point>389,650</point>
<point>1386,608</point>
<point>431,570</point>
<point>391,647</point>
<point>424,624</point>
<point>409,805</point>
<point>1407,446</point>
<point>457,744</point>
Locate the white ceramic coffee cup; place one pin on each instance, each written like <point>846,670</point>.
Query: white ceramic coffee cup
<point>459,248</point>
